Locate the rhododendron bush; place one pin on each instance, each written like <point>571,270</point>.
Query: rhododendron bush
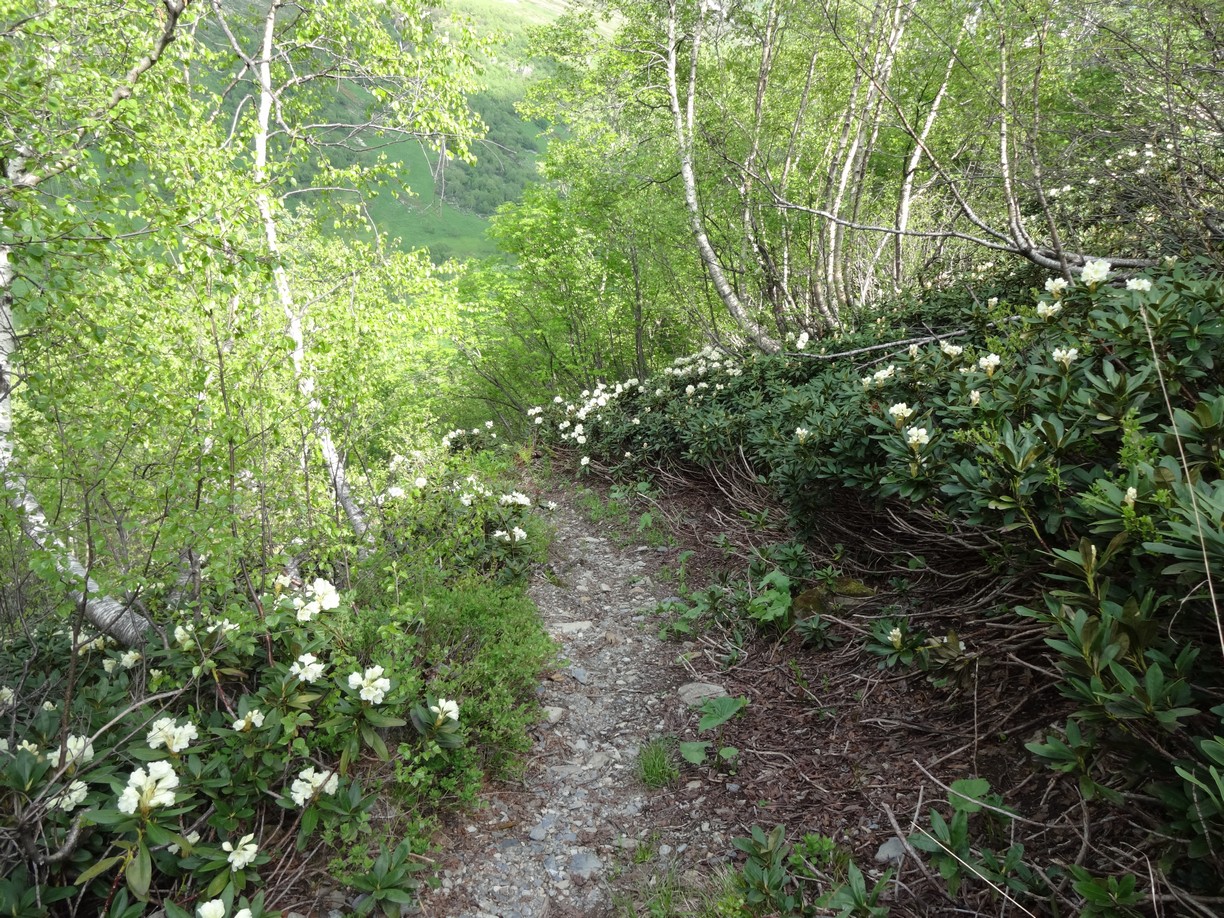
<point>1065,439</point>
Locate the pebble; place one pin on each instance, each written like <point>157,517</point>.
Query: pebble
<point>891,852</point>
<point>694,693</point>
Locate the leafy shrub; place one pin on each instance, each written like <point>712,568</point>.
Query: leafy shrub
<point>1082,427</point>
<point>261,725</point>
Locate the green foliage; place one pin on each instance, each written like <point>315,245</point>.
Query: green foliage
<point>893,640</point>
<point>657,764</point>
<point>389,885</point>
<point>855,900</point>
<point>715,714</point>
<point>1074,457</point>
<point>717,711</point>
<point>764,880</point>
<point>808,879</point>
<point>487,647</point>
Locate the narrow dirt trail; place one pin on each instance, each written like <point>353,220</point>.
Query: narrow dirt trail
<point>563,839</point>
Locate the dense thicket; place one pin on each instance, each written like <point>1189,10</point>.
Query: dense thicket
<point>231,579</point>
<point>219,385</point>
<point>756,171</point>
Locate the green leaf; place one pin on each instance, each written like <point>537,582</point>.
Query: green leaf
<point>383,720</point>
<point>97,869</point>
<point>695,752</point>
<point>717,711</point>
<point>966,793</point>
<point>140,872</point>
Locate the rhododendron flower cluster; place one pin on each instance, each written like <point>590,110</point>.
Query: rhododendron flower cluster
<point>372,685</point>
<point>167,732</point>
<point>310,782</point>
<point>149,788</point>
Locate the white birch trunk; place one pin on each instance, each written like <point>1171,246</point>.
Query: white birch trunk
<point>683,124</point>
<point>109,616</point>
<point>331,456</point>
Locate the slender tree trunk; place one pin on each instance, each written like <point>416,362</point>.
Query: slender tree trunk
<point>332,459</point>
<point>639,331</point>
<point>109,616</point>
<point>683,124</point>
<point>862,139</point>
<point>905,200</point>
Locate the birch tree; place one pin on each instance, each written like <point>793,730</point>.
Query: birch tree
<point>64,113</point>
<point>416,80</point>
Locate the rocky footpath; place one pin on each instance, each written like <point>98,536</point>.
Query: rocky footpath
<point>581,822</point>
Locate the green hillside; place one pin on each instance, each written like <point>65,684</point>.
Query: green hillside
<point>449,216</point>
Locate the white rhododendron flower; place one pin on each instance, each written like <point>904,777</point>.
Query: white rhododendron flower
<point>585,460</point>
<point>129,658</point>
<point>371,685</point>
<point>78,750</point>
<point>325,594</point>
<point>1139,284</point>
<point>900,412</point>
<point>951,350</point>
<point>444,709</point>
<point>1066,356</point>
<point>32,748</point>
<point>309,782</point>
<point>802,433</point>
<point>214,908</point>
<point>165,732</point>
<point>395,492</point>
<point>241,854</point>
<point>1048,310</point>
<point>305,610</point>
<point>150,788</point>
<point>307,668</point>
<point>252,720</point>
<point>519,534</point>
<point>1131,495</point>
<point>1095,272</point>
<point>913,350</point>
<point>975,398</point>
<point>894,638</point>
<point>881,375</point>
<point>990,363</point>
<point>1056,286</point>
<point>70,797</point>
<point>917,437</point>
<point>184,635</point>
<point>802,342</point>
